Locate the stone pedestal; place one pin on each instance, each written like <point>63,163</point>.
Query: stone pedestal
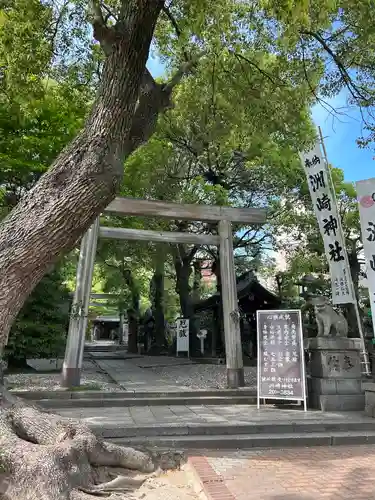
<point>336,375</point>
<point>369,388</point>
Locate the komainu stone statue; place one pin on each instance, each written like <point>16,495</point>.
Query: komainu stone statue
<point>330,323</point>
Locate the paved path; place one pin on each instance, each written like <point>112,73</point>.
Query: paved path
<point>323,473</point>
<point>213,414</point>
<point>166,374</point>
<point>133,375</point>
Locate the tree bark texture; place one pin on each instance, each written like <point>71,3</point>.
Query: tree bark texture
<point>133,319</point>
<point>43,456</point>
<point>216,271</point>
<point>197,283</point>
<point>157,299</point>
<point>215,331</point>
<point>51,217</point>
<point>183,288</point>
<point>134,312</point>
<point>48,457</point>
<point>158,308</point>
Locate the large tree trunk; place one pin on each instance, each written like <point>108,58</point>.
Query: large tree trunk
<point>134,312</point>
<point>52,216</point>
<point>48,457</point>
<point>183,288</point>
<point>215,331</point>
<point>157,301</point>
<point>197,283</point>
<point>133,319</point>
<point>42,456</point>
<point>134,315</point>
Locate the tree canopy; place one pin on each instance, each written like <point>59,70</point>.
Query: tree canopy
<point>234,103</point>
<point>83,119</point>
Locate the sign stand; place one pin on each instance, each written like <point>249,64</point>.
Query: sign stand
<point>281,363</point>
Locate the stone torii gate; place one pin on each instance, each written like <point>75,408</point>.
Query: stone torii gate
<point>224,216</point>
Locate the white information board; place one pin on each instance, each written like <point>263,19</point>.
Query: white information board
<point>182,330</point>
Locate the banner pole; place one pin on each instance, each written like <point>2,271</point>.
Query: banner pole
<point>358,316</point>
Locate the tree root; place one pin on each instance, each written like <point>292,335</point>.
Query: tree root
<point>48,457</point>
<point>120,483</point>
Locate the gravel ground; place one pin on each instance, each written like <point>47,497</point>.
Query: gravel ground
<point>194,376</point>
<point>198,376</point>
<point>174,485</point>
<point>171,485</point>
<point>92,379</point>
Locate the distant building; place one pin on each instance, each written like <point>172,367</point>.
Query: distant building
<point>208,277</point>
<point>252,296</point>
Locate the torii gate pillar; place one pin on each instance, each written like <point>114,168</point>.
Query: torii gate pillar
<point>71,372</point>
<point>232,331</point>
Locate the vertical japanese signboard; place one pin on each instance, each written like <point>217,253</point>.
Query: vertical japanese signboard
<point>366,202</point>
<point>182,335</point>
<point>324,202</point>
<point>281,366</point>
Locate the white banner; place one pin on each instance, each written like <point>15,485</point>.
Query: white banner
<point>326,213</point>
<point>366,203</point>
<point>182,327</point>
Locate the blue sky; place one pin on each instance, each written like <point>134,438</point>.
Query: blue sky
<point>340,131</point>
<point>155,67</point>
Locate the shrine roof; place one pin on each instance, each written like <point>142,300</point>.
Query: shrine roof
<point>251,296</point>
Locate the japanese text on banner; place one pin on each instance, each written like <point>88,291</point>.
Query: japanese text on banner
<point>182,335</point>
<point>328,219</point>
<point>366,203</point>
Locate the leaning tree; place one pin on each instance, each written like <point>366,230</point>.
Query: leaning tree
<point>43,456</point>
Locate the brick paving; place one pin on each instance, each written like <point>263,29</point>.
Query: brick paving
<point>322,473</point>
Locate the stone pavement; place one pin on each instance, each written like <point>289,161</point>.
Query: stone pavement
<point>136,373</point>
<point>211,414</point>
<point>132,374</point>
<point>322,473</point>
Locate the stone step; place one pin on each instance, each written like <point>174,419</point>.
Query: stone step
<point>181,430</point>
<point>246,441</point>
<point>146,401</point>
<point>223,393</point>
<point>103,356</point>
<point>103,348</point>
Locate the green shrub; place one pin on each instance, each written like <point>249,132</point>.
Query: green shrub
<point>40,329</point>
